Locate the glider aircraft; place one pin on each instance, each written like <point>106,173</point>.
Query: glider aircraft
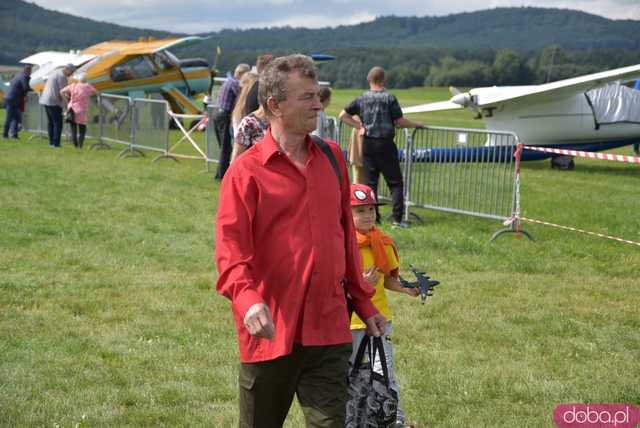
<point>590,113</point>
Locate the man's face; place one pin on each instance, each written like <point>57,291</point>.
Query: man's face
<point>298,112</point>
<point>67,71</point>
<point>364,217</point>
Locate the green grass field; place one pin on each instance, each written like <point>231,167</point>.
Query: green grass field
<point>108,314</point>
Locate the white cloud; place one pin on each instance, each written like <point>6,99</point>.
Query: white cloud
<point>317,21</point>
<point>193,16</point>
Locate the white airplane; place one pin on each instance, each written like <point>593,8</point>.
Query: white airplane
<point>589,113</point>
<point>45,62</point>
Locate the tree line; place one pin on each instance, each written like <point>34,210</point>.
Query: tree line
<point>459,67</point>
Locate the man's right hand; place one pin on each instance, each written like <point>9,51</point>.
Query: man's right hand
<point>258,321</point>
<point>375,325</point>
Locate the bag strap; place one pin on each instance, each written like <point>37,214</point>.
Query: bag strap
<point>329,154</point>
<point>362,348</point>
<point>378,347</point>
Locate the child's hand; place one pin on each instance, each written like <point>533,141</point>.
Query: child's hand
<point>371,275</point>
<point>413,292</point>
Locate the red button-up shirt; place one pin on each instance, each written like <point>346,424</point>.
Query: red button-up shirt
<point>285,237</point>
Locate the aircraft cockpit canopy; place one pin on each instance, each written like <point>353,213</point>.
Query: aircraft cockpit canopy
<point>139,67</point>
<point>165,60</point>
<point>614,103</point>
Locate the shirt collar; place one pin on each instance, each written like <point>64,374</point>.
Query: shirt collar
<point>270,148</point>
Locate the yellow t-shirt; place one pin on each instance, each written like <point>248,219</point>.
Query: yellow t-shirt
<point>379,299</point>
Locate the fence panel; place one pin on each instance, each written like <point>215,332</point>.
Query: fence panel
<point>116,117</point>
<point>465,171</point>
<point>33,118</point>
<point>151,124</point>
<point>213,146</point>
<point>93,119</point>
<point>342,137</point>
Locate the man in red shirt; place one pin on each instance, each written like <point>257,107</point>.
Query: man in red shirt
<point>285,245</point>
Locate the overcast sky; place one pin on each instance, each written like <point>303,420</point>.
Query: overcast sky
<point>198,16</point>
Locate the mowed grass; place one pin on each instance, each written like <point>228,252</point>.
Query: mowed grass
<point>108,316</point>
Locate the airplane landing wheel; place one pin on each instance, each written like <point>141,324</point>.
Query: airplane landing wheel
<point>563,163</point>
<point>636,149</point>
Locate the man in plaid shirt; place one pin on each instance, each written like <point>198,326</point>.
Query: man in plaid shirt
<point>227,100</point>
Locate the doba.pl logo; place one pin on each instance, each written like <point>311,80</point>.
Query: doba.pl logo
<point>596,416</point>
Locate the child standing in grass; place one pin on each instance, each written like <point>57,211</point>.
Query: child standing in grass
<point>380,267</point>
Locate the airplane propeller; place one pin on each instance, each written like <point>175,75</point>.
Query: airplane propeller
<point>465,99</point>
<point>213,73</point>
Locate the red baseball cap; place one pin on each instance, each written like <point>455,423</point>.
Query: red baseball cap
<point>361,194</point>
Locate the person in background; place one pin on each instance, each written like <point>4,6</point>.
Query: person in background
<point>78,94</point>
<point>380,113</point>
<point>252,103</point>
<point>355,155</point>
<point>222,121</point>
<point>251,130</point>
<point>380,267</point>
<point>14,102</point>
<point>246,83</point>
<point>286,254</point>
<point>54,103</point>
<point>321,122</point>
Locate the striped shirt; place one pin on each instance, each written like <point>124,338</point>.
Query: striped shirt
<point>228,94</point>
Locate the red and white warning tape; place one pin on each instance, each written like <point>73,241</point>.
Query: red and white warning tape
<point>600,235</point>
<point>591,155</point>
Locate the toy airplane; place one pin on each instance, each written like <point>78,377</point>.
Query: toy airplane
<point>424,282</point>
<point>591,113</point>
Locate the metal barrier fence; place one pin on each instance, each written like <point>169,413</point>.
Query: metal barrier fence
<point>34,117</point>
<point>342,137</point>
<point>150,130</point>
<point>116,119</point>
<point>463,171</point>
<point>94,128</point>
<point>212,144</point>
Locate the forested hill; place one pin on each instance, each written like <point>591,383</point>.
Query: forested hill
<point>517,28</point>
<point>26,29</point>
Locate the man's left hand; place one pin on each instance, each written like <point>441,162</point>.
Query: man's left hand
<point>375,325</point>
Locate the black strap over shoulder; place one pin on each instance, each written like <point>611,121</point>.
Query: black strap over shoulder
<point>334,163</point>
<point>329,154</point>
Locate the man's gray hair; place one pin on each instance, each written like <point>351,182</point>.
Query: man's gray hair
<point>273,79</point>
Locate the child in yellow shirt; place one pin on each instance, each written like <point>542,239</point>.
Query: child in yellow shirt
<point>380,267</point>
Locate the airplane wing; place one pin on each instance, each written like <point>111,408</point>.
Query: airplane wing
<point>57,58</point>
<point>491,96</point>
<point>142,46</point>
<point>439,106</point>
<point>184,41</point>
<point>581,83</point>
